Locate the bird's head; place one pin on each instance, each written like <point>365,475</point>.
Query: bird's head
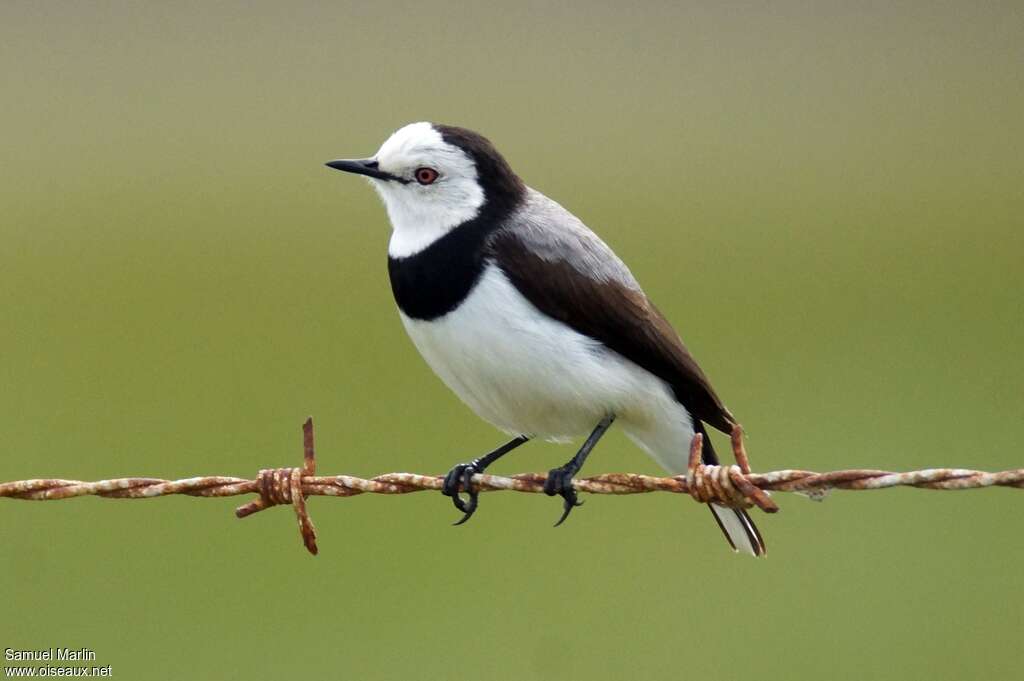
<point>433,178</point>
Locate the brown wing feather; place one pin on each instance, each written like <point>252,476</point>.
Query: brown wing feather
<point>617,315</point>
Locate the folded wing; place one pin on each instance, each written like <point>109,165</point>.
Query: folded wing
<point>569,274</point>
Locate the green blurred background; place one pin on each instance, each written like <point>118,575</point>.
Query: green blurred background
<point>826,201</point>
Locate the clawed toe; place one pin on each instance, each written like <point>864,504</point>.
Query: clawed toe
<point>559,483</point>
<point>460,479</point>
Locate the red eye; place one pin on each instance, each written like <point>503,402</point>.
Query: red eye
<point>426,175</point>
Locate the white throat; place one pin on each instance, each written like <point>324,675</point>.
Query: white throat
<point>420,215</point>
<point>415,225</point>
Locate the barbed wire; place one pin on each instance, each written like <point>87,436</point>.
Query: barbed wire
<point>735,485</point>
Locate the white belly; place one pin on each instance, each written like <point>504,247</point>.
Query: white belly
<point>531,375</point>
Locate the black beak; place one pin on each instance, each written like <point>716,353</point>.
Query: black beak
<point>363,166</point>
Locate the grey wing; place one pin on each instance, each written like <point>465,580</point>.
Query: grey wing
<point>555,235</point>
<point>569,274</point>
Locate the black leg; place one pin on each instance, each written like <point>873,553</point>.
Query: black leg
<point>462,475</point>
<point>560,479</point>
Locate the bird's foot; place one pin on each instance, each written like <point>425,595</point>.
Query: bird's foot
<point>460,479</point>
<point>560,482</point>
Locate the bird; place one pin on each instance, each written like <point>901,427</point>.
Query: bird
<point>531,319</point>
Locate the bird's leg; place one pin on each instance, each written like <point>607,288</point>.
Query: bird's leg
<point>560,479</point>
<point>462,475</point>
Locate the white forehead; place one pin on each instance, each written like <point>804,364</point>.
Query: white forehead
<point>420,144</point>
<point>411,138</point>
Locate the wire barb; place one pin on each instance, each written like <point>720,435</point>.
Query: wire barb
<point>733,485</point>
<point>725,485</point>
<point>284,486</point>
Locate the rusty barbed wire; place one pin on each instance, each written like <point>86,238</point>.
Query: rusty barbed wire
<point>733,485</point>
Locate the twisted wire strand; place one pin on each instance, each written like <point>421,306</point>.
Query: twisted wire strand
<point>733,485</point>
